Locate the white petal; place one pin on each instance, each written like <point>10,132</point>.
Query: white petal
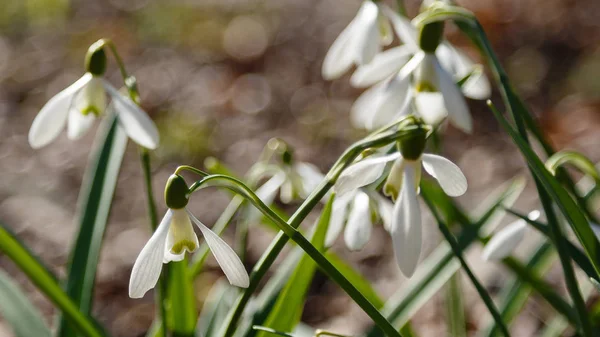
<point>79,124</point>
<point>359,226</point>
<point>386,210</point>
<point>367,32</point>
<point>458,111</point>
<point>311,177</point>
<point>393,101</point>
<point>286,192</point>
<point>450,177</point>
<point>363,109</point>
<point>477,86</point>
<point>382,66</point>
<point>228,260</point>
<point>339,57</point>
<point>148,265</point>
<point>505,241</point>
<point>181,237</point>
<point>362,173</point>
<point>403,27</point>
<point>52,118</point>
<point>431,107</point>
<point>136,123</point>
<point>406,225</point>
<point>338,217</point>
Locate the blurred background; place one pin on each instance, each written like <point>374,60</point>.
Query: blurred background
<point>221,77</point>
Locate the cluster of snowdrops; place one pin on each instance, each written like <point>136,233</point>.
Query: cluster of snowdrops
<point>417,84</point>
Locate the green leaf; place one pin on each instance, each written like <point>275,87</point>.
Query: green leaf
<point>182,313</point>
<point>94,204</point>
<point>440,265</point>
<point>47,284</point>
<point>288,309</point>
<point>17,310</point>
<point>455,310</point>
<point>215,309</point>
<point>574,158</point>
<point>362,284</point>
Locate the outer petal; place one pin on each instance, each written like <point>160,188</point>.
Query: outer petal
<point>505,241</point>
<point>311,177</point>
<point>450,177</point>
<point>368,35</point>
<point>362,173</point>
<point>230,263</point>
<point>403,27</point>
<point>338,217</point>
<point>382,66</point>
<point>363,109</point>
<point>431,107</point>
<point>50,121</point>
<point>339,57</point>
<point>359,226</point>
<point>385,209</point>
<point>406,225</point>
<point>477,86</point>
<point>79,124</point>
<point>148,265</point>
<point>136,123</point>
<point>393,101</point>
<point>458,111</point>
<point>266,192</point>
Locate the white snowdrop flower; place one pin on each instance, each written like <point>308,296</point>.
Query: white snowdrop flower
<point>503,243</point>
<point>173,237</point>
<point>424,70</point>
<point>293,181</point>
<point>402,186</point>
<point>81,103</point>
<point>355,211</point>
<point>359,42</point>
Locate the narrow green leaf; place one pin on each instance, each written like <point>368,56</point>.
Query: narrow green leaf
<point>182,313</point>
<point>215,309</point>
<point>47,284</point>
<point>574,158</point>
<point>362,284</point>
<point>288,309</point>
<point>94,204</point>
<point>569,209</point>
<point>455,310</point>
<point>440,265</point>
<point>17,310</point>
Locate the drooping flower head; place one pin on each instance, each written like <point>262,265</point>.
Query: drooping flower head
<point>81,103</point>
<point>173,237</point>
<point>424,83</point>
<point>402,185</point>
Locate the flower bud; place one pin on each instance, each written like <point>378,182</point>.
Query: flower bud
<point>430,36</point>
<point>95,59</point>
<point>176,192</point>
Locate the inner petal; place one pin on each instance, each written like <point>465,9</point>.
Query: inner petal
<point>181,236</point>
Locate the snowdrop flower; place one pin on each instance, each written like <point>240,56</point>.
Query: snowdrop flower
<point>359,42</point>
<point>402,186</point>
<point>355,210</point>
<point>173,237</point>
<point>503,243</point>
<point>427,79</point>
<point>81,103</point>
<point>293,181</point>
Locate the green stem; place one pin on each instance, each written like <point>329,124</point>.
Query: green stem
<point>327,267</point>
<point>456,249</point>
<point>269,256</point>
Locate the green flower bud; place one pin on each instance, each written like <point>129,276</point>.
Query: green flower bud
<point>413,137</point>
<point>430,36</point>
<point>176,192</point>
<point>95,59</point>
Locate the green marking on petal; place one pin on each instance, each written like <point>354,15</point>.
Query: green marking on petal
<point>181,246</point>
<point>423,86</point>
<point>90,109</point>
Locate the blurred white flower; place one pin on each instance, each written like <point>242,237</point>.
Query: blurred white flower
<point>407,74</point>
<point>293,181</point>
<point>402,185</point>
<point>172,238</point>
<point>354,210</point>
<point>359,42</point>
<point>78,106</point>
<point>503,243</point>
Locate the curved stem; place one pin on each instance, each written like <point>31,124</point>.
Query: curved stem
<point>269,256</point>
<point>326,266</point>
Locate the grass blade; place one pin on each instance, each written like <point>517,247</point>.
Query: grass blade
<point>47,284</point>
<point>288,309</point>
<point>455,310</point>
<point>17,310</point>
<point>94,207</point>
<point>182,313</point>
